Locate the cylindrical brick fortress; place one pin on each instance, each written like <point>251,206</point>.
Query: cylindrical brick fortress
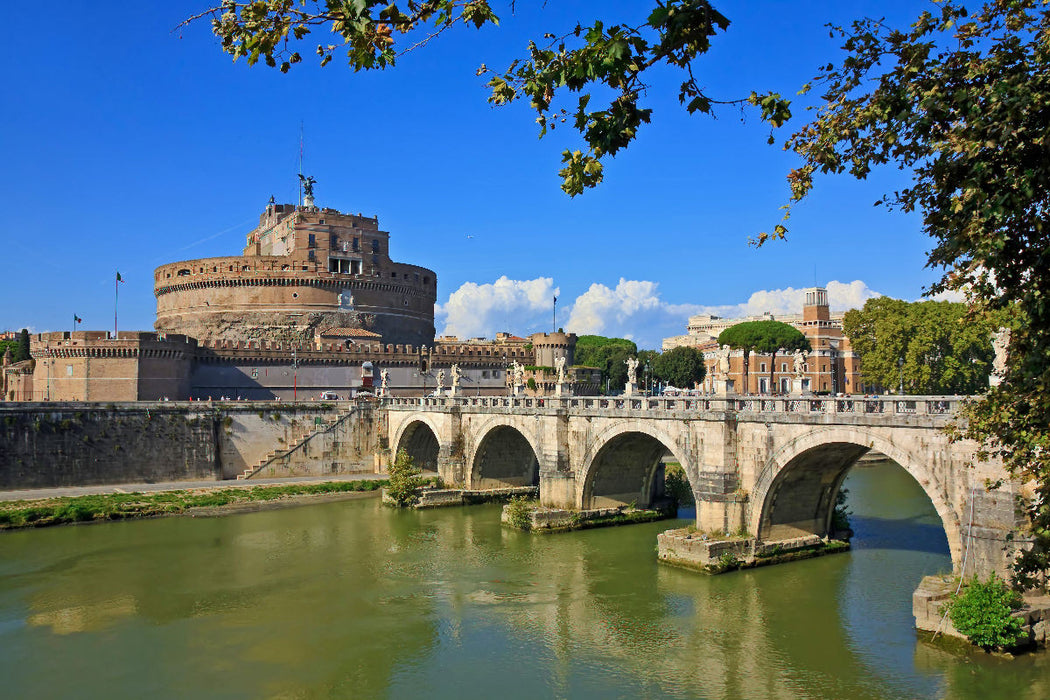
<point>303,271</point>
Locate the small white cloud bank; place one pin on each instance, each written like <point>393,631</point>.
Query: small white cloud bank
<point>632,309</point>
<point>481,310</point>
<point>842,296</point>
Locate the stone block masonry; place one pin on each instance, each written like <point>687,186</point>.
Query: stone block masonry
<point>80,444</point>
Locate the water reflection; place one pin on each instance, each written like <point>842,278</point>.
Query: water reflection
<point>351,599</point>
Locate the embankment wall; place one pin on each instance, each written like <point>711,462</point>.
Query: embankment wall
<point>78,444</point>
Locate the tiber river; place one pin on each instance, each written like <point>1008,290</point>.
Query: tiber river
<point>349,599</point>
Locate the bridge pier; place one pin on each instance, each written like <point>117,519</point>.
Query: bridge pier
<point>558,489</point>
<point>720,505</point>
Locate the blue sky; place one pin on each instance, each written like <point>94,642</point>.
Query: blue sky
<point>128,145</point>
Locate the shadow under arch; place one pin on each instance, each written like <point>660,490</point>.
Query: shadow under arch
<point>627,468</point>
<point>504,457</point>
<point>419,440</point>
<point>796,490</point>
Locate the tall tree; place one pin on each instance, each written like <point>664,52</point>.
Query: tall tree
<point>960,100</point>
<point>765,337</point>
<point>608,355</point>
<point>930,347</point>
<point>681,367</point>
<point>774,336</point>
<point>21,350</point>
<point>608,59</point>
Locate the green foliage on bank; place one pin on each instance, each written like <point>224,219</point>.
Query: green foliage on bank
<point>681,367</point>
<point>676,485</point>
<point>932,347</point>
<point>125,506</point>
<point>19,346</point>
<point>519,512</point>
<point>607,354</point>
<point>406,481</point>
<point>982,611</point>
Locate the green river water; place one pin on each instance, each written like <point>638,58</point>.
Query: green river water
<point>350,599</point>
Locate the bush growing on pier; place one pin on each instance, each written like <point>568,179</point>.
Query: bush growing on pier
<point>982,611</point>
<point>519,513</point>
<point>405,480</point>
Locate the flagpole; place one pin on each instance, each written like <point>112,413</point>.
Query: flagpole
<point>554,318</point>
<point>116,294</point>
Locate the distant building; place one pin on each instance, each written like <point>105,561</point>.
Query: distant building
<point>832,366</point>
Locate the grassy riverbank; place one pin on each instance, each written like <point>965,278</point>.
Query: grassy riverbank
<point>124,506</point>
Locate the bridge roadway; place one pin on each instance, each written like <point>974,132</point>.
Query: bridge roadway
<point>767,467</point>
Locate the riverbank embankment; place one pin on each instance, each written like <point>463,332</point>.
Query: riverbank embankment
<point>204,500</point>
<point>47,445</point>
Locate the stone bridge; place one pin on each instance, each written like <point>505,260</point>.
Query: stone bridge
<point>768,467</point>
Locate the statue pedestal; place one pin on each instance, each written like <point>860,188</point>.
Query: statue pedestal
<point>453,390</point>
<point>439,392</point>
<point>562,390</point>
<point>630,389</point>
<point>516,390</point>
<point>723,387</point>
<point>799,386</point>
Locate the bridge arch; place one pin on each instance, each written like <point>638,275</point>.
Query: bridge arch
<point>503,456</point>
<point>796,489</point>
<point>418,436</point>
<point>621,466</point>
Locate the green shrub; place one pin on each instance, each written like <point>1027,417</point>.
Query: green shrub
<point>405,480</point>
<point>676,484</point>
<point>982,610</point>
<point>840,516</point>
<point>519,512</point>
<point>728,561</point>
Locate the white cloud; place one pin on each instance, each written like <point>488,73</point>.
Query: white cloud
<point>481,310</point>
<point>632,309</point>
<point>842,296</point>
<point>947,295</point>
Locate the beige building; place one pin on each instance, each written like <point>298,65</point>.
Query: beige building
<point>831,366</point>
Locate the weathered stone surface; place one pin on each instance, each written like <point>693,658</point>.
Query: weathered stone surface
<point>770,469</point>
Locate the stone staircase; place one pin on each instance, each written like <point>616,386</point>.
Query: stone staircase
<point>300,440</point>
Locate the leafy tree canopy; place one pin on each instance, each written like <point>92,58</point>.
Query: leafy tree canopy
<point>960,100</point>
<point>681,367</point>
<point>943,351</point>
<point>558,75</point>
<point>764,337</point>
<point>608,355</point>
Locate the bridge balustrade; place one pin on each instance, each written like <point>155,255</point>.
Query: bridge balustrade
<point>916,406</point>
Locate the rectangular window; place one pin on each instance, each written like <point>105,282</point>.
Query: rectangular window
<point>312,242</point>
<point>783,367</point>
<point>762,368</point>
<point>311,256</point>
<point>69,370</point>
<point>375,245</point>
<point>356,245</point>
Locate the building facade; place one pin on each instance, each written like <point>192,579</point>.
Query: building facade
<point>304,270</point>
<point>831,366</point>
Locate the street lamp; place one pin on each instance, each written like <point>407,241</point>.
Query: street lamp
<point>900,364</point>
<point>295,376</point>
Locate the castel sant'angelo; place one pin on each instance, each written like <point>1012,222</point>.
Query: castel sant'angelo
<point>304,270</point>
<point>315,304</point>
